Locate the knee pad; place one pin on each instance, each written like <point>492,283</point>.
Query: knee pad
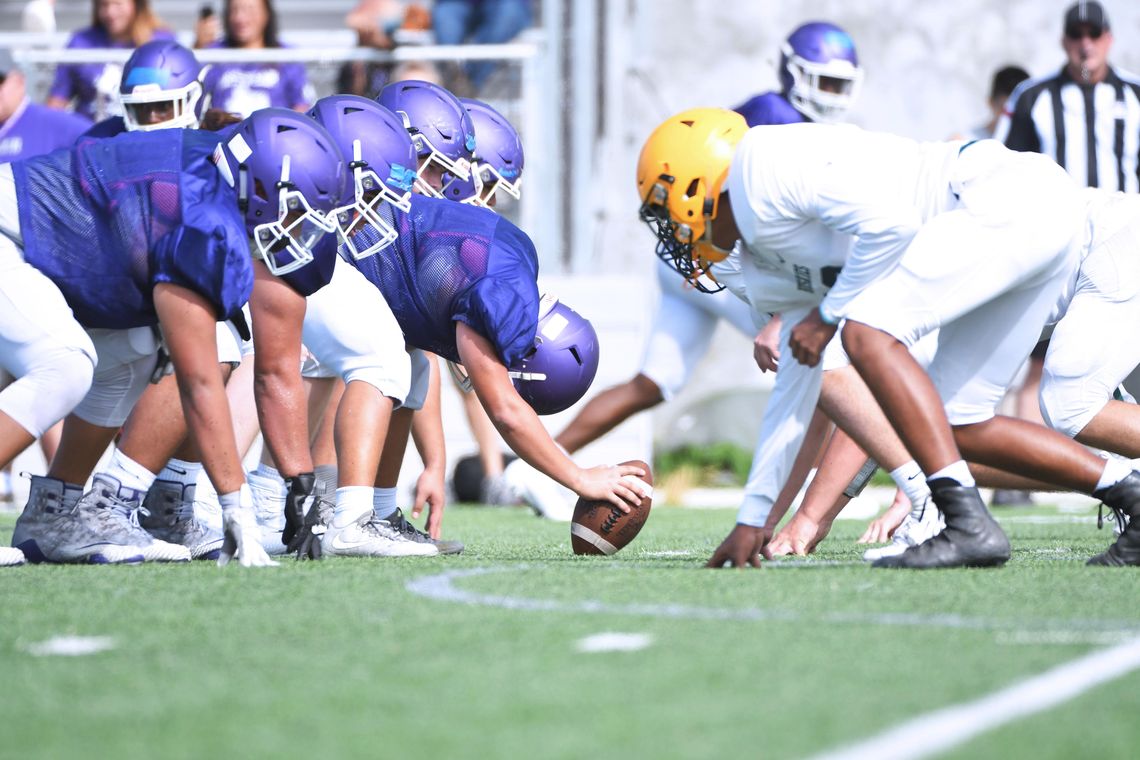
<point>1063,410</point>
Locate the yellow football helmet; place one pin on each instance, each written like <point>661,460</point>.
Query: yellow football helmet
<point>680,178</point>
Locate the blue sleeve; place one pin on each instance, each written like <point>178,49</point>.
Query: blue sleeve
<point>107,128</point>
<point>767,109</point>
<point>212,264</point>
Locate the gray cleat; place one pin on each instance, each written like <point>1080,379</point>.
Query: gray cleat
<point>118,518</point>
<point>50,531</point>
<point>400,523</point>
<point>168,515</point>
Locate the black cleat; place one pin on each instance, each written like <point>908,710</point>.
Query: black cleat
<point>1123,499</point>
<point>971,537</point>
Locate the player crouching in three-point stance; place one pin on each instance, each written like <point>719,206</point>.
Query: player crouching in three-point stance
<point>109,243</point>
<point>970,239</point>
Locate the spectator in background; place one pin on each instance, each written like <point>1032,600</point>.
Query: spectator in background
<point>1005,81</point>
<point>243,88</point>
<point>39,17</point>
<point>28,129</point>
<point>376,23</point>
<point>94,87</point>
<point>482,22</point>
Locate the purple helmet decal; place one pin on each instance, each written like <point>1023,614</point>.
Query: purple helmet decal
<point>162,71</point>
<point>496,163</point>
<point>381,165</point>
<point>289,175</point>
<point>819,71</point>
<point>440,128</point>
<point>559,369</point>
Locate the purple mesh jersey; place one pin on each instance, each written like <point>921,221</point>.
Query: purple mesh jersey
<point>94,86</point>
<point>458,263</point>
<point>109,219</point>
<point>243,88</point>
<point>34,130</point>
<point>769,108</point>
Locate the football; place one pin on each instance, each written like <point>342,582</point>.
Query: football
<point>599,527</point>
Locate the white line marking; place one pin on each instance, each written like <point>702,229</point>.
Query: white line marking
<point>441,587</point>
<point>955,725</point>
<point>614,642</point>
<point>71,646</point>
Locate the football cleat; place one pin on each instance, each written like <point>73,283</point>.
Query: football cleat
<point>10,556</point>
<point>971,538</point>
<point>921,524</point>
<point>168,515</point>
<point>50,531</point>
<point>1124,500</point>
<point>400,523</point>
<point>546,497</point>
<point>118,518</point>
<point>371,537</point>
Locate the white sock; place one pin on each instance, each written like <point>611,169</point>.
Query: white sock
<point>909,479</point>
<point>352,502</point>
<point>180,471</point>
<point>134,480</point>
<point>383,502</point>
<point>958,471</point>
<point>1114,472</point>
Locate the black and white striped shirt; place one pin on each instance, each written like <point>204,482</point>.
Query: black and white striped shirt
<point>1093,132</point>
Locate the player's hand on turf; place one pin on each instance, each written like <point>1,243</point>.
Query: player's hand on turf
<point>306,543</point>
<point>430,491</point>
<point>798,537</point>
<point>297,501</point>
<point>741,548</point>
<point>620,485</point>
<point>809,337</point>
<point>242,539</point>
<point>766,346</point>
<point>882,528</point>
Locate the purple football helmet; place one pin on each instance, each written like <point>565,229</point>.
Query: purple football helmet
<point>289,175</point>
<point>440,128</point>
<point>496,163</point>
<point>382,165</point>
<point>819,71</point>
<point>162,71</point>
<point>559,369</point>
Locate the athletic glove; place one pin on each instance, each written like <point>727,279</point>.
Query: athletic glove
<point>297,500</point>
<point>307,543</point>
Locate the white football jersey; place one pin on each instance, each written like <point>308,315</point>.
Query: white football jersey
<point>835,206</point>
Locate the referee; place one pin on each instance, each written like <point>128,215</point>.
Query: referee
<point>1087,117</point>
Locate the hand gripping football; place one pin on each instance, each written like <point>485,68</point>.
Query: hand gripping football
<point>599,527</point>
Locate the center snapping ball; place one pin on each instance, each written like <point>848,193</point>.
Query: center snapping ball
<point>598,527</point>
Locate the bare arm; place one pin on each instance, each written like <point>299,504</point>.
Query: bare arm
<point>524,433</point>
<point>188,324</point>
<point>277,312</point>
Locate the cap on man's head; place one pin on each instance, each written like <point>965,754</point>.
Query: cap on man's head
<point>1089,14</point>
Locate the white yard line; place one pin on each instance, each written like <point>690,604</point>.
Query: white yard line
<point>953,726</point>
<point>441,587</point>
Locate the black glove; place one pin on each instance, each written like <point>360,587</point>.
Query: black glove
<point>307,543</point>
<point>300,491</point>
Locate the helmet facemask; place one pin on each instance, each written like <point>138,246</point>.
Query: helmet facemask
<point>824,92</point>
<point>369,193</point>
<point>676,245</point>
<point>458,167</point>
<point>184,101</point>
<point>286,243</point>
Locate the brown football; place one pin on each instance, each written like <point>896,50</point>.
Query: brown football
<point>599,527</point>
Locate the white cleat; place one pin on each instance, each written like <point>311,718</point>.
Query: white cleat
<point>370,537</point>
<point>921,524</point>
<point>10,556</point>
<point>546,497</point>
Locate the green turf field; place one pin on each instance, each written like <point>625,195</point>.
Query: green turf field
<point>478,655</point>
